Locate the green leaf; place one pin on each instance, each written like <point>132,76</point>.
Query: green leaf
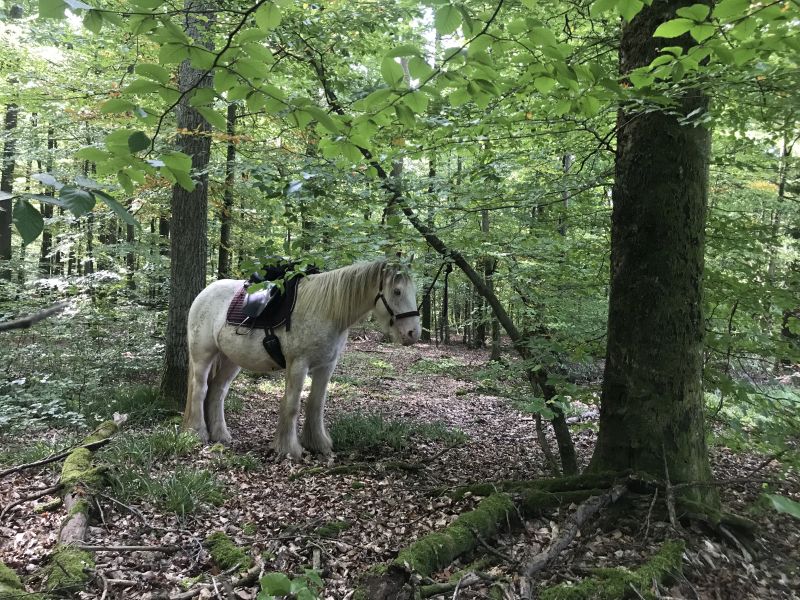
<point>93,21</point>
<point>781,503</point>
<point>601,6</point>
<point>217,120</point>
<point>178,162</point>
<point>459,97</point>
<point>202,97</point>
<point>118,209</point>
<point>182,179</point>
<point>116,105</point>
<point>629,8</point>
<point>154,72</point>
<point>48,180</point>
<point>276,584</point>
<point>268,16</point>
<point>673,28</point>
<point>404,50</point>
<point>695,12</point>
<point>259,53</point>
<point>173,53</point>
<point>138,141</point>
<point>324,119</point>
<point>374,99</point>
<point>301,118</point>
<point>731,8</point>
<point>405,115</point>
<point>28,221</point>
<point>52,9</point>
<point>92,154</point>
<point>251,69</point>
<point>544,84</point>
<point>392,72</point>
<point>541,36</point>
<point>142,86</point>
<point>416,101</point>
<point>224,80</point>
<point>702,32</point>
<point>418,68</point>
<point>447,19</point>
<point>78,201</point>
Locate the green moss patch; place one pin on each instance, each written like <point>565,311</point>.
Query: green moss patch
<point>333,528</point>
<point>66,571</point>
<point>437,550</point>
<point>226,554</point>
<point>11,587</point>
<point>612,584</point>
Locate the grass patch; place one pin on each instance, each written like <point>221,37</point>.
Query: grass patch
<point>451,367</point>
<point>17,454</point>
<point>185,491</point>
<point>145,449</point>
<point>229,461</point>
<point>375,432</point>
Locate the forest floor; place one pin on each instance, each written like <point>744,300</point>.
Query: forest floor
<point>303,515</point>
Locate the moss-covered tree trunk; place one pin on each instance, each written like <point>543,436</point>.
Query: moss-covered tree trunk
<point>652,398</point>
<point>188,225</point>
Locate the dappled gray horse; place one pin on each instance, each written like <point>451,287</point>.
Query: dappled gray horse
<point>328,304</point>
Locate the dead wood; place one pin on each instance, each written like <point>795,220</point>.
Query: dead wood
<point>35,496</point>
<point>584,512</point>
<point>248,579</point>
<point>164,549</point>
<point>26,322</point>
<point>54,457</point>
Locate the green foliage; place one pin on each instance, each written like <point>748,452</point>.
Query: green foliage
<point>452,367</point>
<point>184,491</point>
<point>373,433</point>
<point>783,504</point>
<point>307,586</point>
<point>147,449</point>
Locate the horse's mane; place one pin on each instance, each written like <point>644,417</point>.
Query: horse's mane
<point>341,295</point>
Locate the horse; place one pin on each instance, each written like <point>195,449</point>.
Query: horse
<point>327,305</point>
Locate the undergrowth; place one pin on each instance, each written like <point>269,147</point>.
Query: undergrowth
<point>374,432</point>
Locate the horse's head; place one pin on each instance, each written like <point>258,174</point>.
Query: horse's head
<point>396,306</point>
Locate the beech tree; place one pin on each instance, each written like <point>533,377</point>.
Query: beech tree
<point>651,410</point>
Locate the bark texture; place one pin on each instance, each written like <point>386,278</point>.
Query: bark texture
<point>651,417</point>
<point>6,179</point>
<point>188,224</point>
<point>224,263</point>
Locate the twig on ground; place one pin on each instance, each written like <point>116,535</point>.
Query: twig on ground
<point>164,549</point>
<point>504,557</point>
<point>670,496</point>
<point>35,496</point>
<point>585,511</point>
<point>248,579</point>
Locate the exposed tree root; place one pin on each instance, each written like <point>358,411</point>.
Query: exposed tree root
<point>613,584</point>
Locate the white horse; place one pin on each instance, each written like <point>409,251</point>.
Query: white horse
<point>328,304</point>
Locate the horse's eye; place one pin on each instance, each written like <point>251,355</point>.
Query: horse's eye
<point>397,291</point>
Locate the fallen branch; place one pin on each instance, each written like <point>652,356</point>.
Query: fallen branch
<point>34,496</point>
<point>584,512</point>
<point>69,564</point>
<point>164,549</point>
<point>54,457</point>
<point>248,579</point>
<point>26,322</point>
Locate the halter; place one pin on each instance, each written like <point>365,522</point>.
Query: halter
<point>392,317</point>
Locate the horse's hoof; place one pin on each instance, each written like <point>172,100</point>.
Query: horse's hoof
<point>293,451</point>
<point>223,438</point>
<point>317,444</point>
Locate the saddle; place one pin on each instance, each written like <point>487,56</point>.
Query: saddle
<point>269,307</point>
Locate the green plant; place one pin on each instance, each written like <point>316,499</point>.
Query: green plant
<point>444,365</point>
<point>144,449</point>
<point>373,432</point>
<point>185,491</point>
<point>228,460</point>
<point>307,586</point>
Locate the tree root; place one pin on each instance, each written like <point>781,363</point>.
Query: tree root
<point>561,484</point>
<point>612,584</point>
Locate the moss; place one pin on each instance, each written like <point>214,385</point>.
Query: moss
<point>11,587</point>
<point>48,506</point>
<point>81,506</point>
<point>105,430</point>
<point>357,485</point>
<point>333,528</point>
<point>78,468</point>
<point>9,578</point>
<point>715,517</point>
<point>66,571</point>
<point>612,584</point>
<point>225,553</point>
<point>436,550</point>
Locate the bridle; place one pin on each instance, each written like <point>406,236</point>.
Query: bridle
<point>392,317</point>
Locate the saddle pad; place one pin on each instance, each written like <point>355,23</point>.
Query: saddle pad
<point>269,319</point>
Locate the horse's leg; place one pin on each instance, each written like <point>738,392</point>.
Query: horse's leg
<point>314,436</point>
<point>223,375</point>
<point>285,441</point>
<point>193,414</point>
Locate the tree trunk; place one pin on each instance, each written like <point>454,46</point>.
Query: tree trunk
<point>188,227</point>
<point>651,415</point>
<point>6,185</point>
<point>45,260</point>
<point>224,266</point>
<point>445,324</point>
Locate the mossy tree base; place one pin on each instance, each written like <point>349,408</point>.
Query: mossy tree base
<point>613,584</point>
